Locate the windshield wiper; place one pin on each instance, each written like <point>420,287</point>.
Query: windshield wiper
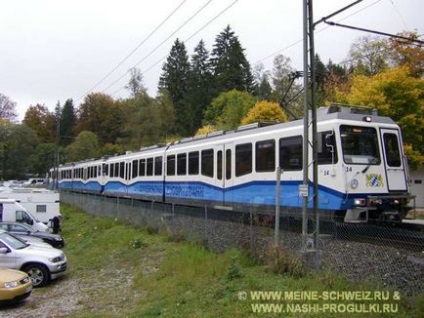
<point>372,161</point>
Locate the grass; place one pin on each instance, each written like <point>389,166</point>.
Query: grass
<point>124,271</point>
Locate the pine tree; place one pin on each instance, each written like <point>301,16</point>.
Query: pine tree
<point>174,79</point>
<point>200,92</point>
<point>67,123</point>
<point>230,67</point>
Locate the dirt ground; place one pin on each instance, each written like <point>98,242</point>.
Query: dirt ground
<point>58,299</point>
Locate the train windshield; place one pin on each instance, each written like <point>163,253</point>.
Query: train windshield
<point>360,145</point>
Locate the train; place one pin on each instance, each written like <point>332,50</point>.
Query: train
<point>362,170</point>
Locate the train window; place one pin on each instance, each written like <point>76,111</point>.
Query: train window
<point>105,169</point>
<point>181,164</point>
<point>134,168</point>
<point>359,145</point>
<point>207,163</point>
<point>391,146</point>
<point>116,169</point>
<point>219,165</point>
<point>193,163</point>
<point>158,166</point>
<point>122,170</point>
<point>127,171</point>
<point>228,164</point>
<point>149,171</point>
<point>326,148</point>
<point>265,156</point>
<point>170,165</point>
<point>142,170</point>
<point>243,159</point>
<point>291,152</point>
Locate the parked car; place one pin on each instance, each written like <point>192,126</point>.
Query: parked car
<point>14,285</point>
<point>34,241</point>
<point>24,231</point>
<point>42,264</point>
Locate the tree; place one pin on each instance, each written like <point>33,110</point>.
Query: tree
<point>265,111</point>
<point>42,159</point>
<point>85,146</point>
<point>42,121</point>
<point>200,89</point>
<point>369,55</point>
<point>135,84</point>
<point>231,69</point>
<point>336,84</point>
<point>174,79</point>
<point>263,89</point>
<point>147,121</point>
<point>17,148</point>
<point>67,123</point>
<point>395,94</point>
<point>7,108</point>
<point>228,109</point>
<point>286,91</point>
<point>102,116</point>
<point>406,53</point>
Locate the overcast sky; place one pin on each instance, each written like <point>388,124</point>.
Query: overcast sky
<point>52,50</point>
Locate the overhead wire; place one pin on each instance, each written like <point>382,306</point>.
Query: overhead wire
<point>186,40</point>
<point>136,48</point>
<point>161,43</point>
<point>317,31</point>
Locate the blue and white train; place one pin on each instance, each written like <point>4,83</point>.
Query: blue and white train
<point>362,170</point>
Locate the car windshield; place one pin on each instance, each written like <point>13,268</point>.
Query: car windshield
<point>360,145</point>
<point>13,241</point>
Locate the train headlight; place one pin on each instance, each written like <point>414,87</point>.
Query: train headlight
<point>354,183</point>
<point>359,202</point>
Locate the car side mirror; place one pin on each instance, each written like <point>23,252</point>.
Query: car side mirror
<point>3,250</point>
<point>30,222</point>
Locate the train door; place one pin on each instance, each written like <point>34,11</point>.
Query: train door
<point>224,170</point>
<point>393,160</point>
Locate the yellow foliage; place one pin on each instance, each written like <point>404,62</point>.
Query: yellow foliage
<point>205,130</point>
<point>265,111</point>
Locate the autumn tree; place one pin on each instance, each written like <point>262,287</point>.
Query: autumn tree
<point>264,111</point>
<point>407,53</point>
<point>7,108</point>
<point>395,94</point>
<point>100,115</point>
<point>42,121</point>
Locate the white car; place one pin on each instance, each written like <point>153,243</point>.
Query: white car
<point>41,263</point>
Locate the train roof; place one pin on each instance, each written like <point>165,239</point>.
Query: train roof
<point>333,112</point>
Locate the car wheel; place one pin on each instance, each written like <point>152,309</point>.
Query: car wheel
<point>38,274</point>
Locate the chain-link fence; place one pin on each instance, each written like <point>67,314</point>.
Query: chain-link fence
<point>386,256</point>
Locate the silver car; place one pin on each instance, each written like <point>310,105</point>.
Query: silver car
<point>42,264</point>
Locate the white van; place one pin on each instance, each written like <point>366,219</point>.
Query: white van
<point>12,211</point>
<point>43,204</point>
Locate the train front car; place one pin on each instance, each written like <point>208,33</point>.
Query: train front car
<point>367,178</point>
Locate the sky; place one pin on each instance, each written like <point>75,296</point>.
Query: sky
<point>53,50</point>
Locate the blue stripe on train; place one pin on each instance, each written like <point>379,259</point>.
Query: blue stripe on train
<point>257,192</point>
